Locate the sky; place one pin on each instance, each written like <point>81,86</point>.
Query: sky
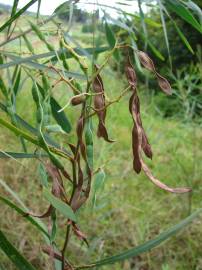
<point>48,6</point>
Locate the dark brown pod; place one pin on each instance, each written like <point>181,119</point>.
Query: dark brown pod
<point>76,100</point>
<point>164,84</point>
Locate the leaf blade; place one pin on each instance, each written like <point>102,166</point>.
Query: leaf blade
<point>17,14</point>
<point>62,207</point>
<point>151,243</point>
<point>12,253</point>
<point>23,214</point>
<point>60,118</point>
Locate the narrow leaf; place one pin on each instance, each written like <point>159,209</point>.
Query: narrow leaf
<point>147,246</point>
<point>183,38</point>
<point>184,13</point>
<point>19,261</point>
<point>23,214</point>
<point>62,207</point>
<point>60,117</point>
<point>21,155</point>
<point>20,12</point>
<point>110,35</point>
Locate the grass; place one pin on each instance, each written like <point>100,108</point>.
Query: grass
<point>129,209</point>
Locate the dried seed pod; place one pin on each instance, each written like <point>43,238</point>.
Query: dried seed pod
<point>145,145</point>
<point>160,184</point>
<point>99,104</point>
<point>164,84</point>
<point>76,100</point>
<point>146,61</point>
<point>79,130</point>
<point>139,138</point>
<point>130,74</point>
<point>135,145</point>
<point>148,64</point>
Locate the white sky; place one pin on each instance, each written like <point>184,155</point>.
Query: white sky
<point>48,6</point>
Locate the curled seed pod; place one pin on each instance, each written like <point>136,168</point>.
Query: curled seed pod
<point>130,74</point>
<point>164,84</point>
<point>148,64</point>
<point>99,103</point>
<point>139,138</point>
<point>160,184</point>
<point>146,146</point>
<point>76,100</point>
<point>134,108</point>
<point>135,145</point>
<point>79,130</point>
<point>146,61</point>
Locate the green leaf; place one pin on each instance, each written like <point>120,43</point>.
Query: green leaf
<point>28,44</point>
<point>153,48</point>
<point>196,9</point>
<point>17,83</point>
<point>60,118</point>
<point>89,143</point>
<point>20,12</point>
<point>28,60</point>
<point>110,35</point>
<point>98,185</point>
<point>161,8</point>
<point>111,40</point>
<point>156,51</point>
<point>33,130</point>
<point>184,13</point>
<point>54,129</point>
<point>184,39</point>
<point>24,216</point>
<point>41,36</point>
<point>19,261</point>
<point>21,155</point>
<point>149,244</point>
<point>19,132</point>
<point>64,7</point>
<point>38,8</point>
<point>43,175</point>
<point>62,207</point>
<point>3,87</point>
<point>13,11</point>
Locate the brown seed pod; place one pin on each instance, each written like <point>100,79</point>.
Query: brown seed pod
<point>139,138</point>
<point>79,131</point>
<point>146,61</point>
<point>164,84</point>
<point>148,64</point>
<point>76,100</point>
<point>130,74</point>
<point>99,104</point>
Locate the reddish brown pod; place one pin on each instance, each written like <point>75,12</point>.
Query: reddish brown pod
<point>100,106</point>
<point>139,138</point>
<point>147,62</point>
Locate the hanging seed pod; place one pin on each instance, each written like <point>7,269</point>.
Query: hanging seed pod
<point>134,107</point>
<point>147,62</point>
<point>79,131</point>
<point>130,74</point>
<point>99,104</point>
<point>164,84</point>
<point>139,138</point>
<point>76,100</point>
